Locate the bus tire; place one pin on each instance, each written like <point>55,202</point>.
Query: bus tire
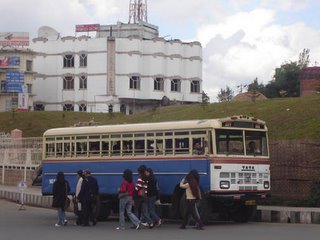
<point>103,212</point>
<point>243,214</point>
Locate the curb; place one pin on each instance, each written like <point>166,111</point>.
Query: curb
<point>30,199</point>
<point>278,214</point>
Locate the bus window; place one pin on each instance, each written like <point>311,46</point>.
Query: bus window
<point>115,148</point>
<point>81,148</point>
<point>127,147</point>
<point>159,147</point>
<point>229,142</point>
<point>67,150</point>
<point>139,147</point>
<point>256,143</point>
<point>94,148</point>
<point>58,149</point>
<point>105,148</point>
<point>150,147</point>
<point>182,145</point>
<point>198,146</point>
<point>50,150</point>
<point>168,146</point>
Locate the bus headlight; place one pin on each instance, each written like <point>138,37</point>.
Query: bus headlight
<point>266,184</point>
<point>224,184</point>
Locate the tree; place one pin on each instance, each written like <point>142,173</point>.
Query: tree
<point>255,86</point>
<point>225,95</point>
<point>286,82</point>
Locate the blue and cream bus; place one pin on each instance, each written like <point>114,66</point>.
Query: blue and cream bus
<point>233,164</point>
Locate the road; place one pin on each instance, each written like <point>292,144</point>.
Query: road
<point>37,223</point>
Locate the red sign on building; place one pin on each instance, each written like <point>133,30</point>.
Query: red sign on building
<point>88,28</point>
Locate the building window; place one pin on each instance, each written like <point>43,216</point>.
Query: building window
<point>83,82</point>
<point>68,61</point>
<point>135,82</point>
<point>158,84</point>
<point>68,83</point>
<point>82,107</point>
<point>83,60</point>
<point>195,87</point>
<point>29,65</point>
<point>110,108</point>
<point>68,107</point>
<point>175,85</point>
<point>38,107</point>
<point>29,88</point>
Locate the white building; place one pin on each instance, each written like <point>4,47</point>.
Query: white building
<point>125,67</point>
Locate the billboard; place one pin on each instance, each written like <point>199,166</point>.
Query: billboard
<point>11,61</point>
<point>88,28</point>
<point>14,82</point>
<point>14,39</point>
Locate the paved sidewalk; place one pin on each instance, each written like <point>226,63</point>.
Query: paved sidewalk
<point>32,196</point>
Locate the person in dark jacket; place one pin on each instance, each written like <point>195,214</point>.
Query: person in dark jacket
<point>94,195</point>
<point>88,197</point>
<point>153,196</point>
<point>60,192</point>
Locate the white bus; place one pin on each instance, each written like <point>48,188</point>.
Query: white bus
<point>230,154</point>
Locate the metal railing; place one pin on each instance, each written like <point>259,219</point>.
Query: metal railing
<point>20,153</point>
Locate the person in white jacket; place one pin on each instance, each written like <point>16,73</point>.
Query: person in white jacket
<point>190,184</point>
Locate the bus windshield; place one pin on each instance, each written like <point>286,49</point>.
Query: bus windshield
<point>241,142</point>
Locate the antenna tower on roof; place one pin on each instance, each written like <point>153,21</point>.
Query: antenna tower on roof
<point>138,11</point>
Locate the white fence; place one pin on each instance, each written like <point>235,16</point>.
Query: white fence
<point>20,153</point>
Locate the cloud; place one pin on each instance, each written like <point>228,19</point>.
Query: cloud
<point>248,45</point>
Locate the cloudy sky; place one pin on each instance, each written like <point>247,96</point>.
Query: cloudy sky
<point>241,39</point>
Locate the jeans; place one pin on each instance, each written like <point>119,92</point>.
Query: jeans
<point>152,209</point>
<point>141,206</point>
<point>61,216</point>
<point>191,210</point>
<point>125,204</point>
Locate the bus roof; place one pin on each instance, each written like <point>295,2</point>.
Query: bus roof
<point>138,127</point>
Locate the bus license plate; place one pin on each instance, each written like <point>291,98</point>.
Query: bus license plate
<point>250,203</point>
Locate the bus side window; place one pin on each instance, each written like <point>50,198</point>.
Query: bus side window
<point>168,146</point>
<point>50,150</point>
<point>81,148</point>
<point>182,145</point>
<point>59,149</point>
<point>139,147</point>
<point>159,147</point>
<point>151,147</point>
<point>198,146</point>
<point>115,148</point>
<point>105,148</point>
<point>94,148</point>
<point>127,147</point>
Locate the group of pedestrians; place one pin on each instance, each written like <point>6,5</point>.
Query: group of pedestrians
<point>142,196</point>
<point>86,198</point>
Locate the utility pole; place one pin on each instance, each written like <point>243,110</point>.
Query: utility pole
<point>138,11</point>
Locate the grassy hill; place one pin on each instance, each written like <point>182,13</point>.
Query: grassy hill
<point>287,118</point>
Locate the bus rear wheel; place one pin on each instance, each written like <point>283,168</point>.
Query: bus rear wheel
<point>243,214</point>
